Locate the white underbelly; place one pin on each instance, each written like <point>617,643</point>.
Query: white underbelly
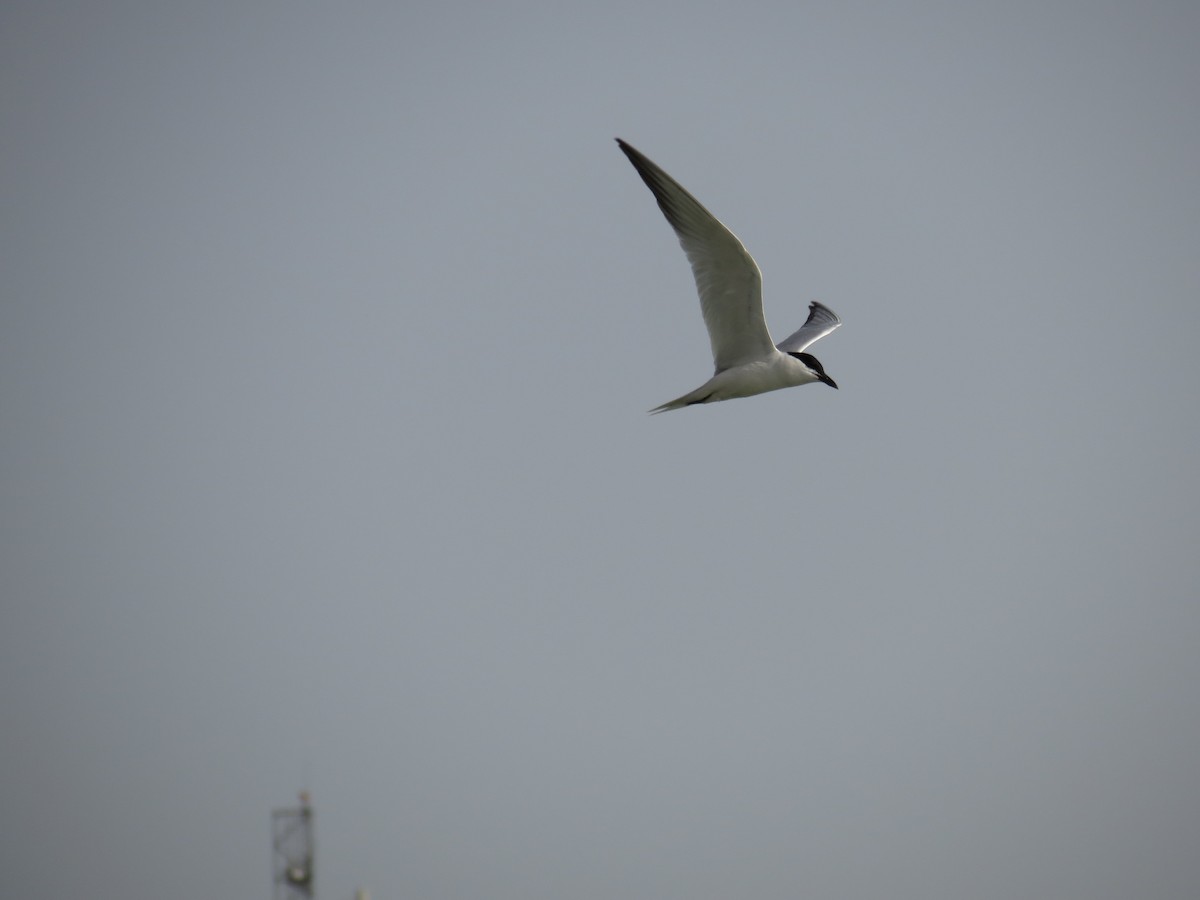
<point>779,371</point>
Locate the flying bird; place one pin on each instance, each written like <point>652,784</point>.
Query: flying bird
<point>747,362</point>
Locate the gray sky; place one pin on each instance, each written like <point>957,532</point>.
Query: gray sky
<point>327,336</point>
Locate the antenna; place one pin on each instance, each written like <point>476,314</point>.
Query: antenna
<point>292,840</point>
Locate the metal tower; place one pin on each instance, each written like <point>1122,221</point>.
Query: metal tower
<point>292,863</point>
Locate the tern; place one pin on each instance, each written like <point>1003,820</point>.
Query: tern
<point>747,362</point>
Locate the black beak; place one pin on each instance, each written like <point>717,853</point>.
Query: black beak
<point>825,379</point>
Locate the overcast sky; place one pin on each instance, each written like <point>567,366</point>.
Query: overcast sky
<point>327,333</point>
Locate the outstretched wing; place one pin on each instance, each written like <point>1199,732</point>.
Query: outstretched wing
<point>821,320</point>
<point>727,278</point>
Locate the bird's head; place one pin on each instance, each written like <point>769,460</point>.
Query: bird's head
<point>817,369</point>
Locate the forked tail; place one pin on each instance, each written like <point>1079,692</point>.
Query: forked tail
<point>702,394</point>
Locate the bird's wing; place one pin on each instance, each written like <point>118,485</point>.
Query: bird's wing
<point>821,320</point>
<point>727,277</point>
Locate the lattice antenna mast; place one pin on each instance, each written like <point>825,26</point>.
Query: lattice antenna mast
<point>292,840</point>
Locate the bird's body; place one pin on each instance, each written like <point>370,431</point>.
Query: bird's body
<point>776,370</point>
<point>728,280</point>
